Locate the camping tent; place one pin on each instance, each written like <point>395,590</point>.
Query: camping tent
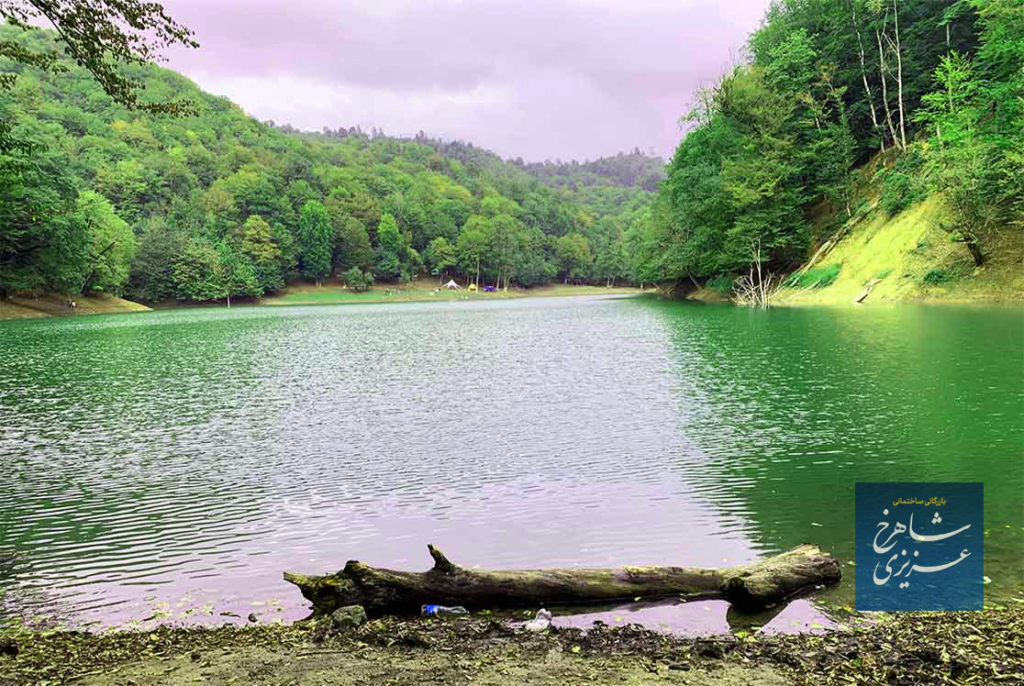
<point>452,286</point>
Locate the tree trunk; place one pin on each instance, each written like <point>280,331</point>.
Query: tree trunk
<point>864,77</point>
<point>899,74</point>
<point>751,586</point>
<point>974,246</point>
<point>91,277</point>
<point>885,95</point>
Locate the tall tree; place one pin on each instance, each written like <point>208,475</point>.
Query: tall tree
<point>111,245</point>
<point>391,251</point>
<point>316,241</point>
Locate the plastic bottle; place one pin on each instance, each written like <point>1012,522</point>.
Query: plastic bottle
<point>442,611</point>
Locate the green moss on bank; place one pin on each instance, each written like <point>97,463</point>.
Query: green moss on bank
<point>910,257</point>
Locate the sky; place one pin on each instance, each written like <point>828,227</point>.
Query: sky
<point>537,79</point>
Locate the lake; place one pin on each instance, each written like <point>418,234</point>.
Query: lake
<point>169,466</point>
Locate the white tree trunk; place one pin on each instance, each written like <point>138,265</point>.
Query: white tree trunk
<point>899,75</point>
<point>885,93</point>
<point>864,76</point>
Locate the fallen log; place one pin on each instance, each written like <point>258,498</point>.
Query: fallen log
<point>748,587</point>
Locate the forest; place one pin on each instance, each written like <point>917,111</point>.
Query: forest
<point>215,205</point>
<point>937,86</point>
<point>101,194</point>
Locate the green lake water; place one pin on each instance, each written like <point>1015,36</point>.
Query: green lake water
<point>171,465</point>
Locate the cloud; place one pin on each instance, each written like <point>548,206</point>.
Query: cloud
<point>541,79</point>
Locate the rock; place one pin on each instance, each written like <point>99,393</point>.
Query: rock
<point>542,622</point>
<point>348,617</point>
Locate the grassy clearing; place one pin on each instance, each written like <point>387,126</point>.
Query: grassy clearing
<point>422,290</point>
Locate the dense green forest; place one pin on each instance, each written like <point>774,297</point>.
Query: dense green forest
<point>936,84</point>
<point>106,194</point>
<point>219,205</point>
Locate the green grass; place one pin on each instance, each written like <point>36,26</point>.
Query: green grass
<point>819,277</point>
<point>332,293</point>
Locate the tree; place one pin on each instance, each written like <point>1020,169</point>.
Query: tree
<point>834,146</point>
<point>255,240</point>
<point>764,177</point>
<point>964,162</point>
<point>610,263</point>
<point>353,248</point>
<point>43,244</point>
<point>238,273</point>
<point>316,241</point>
<point>574,257</point>
<point>441,256</point>
<point>111,245</point>
<point>887,47</point>
<point>152,271</point>
<point>471,246</point>
<point>391,250</point>
<point>504,238</point>
<point>357,280</point>
<point>199,272</point>
<point>102,36</point>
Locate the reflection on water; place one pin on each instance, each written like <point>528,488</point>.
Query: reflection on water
<point>175,463</point>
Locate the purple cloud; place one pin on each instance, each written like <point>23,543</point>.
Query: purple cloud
<point>540,79</point>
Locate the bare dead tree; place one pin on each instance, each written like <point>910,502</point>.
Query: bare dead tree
<point>756,288</point>
<point>864,74</point>
<point>882,68</point>
<point>897,48</point>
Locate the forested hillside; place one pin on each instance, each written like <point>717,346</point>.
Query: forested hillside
<point>938,85</point>
<point>219,205</point>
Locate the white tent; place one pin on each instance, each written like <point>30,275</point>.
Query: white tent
<point>452,286</point>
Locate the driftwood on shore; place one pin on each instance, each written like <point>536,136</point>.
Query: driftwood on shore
<point>752,586</point>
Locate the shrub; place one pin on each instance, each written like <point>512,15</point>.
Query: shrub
<point>819,277</point>
<point>903,185</point>
<point>357,280</point>
<point>721,283</point>
<point>935,276</point>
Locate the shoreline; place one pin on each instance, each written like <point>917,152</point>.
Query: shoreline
<point>25,308</point>
<point>790,298</point>
<point>906,648</point>
<point>51,306</point>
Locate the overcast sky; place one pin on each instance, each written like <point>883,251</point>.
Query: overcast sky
<point>539,79</point>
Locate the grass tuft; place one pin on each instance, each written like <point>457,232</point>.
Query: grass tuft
<point>819,277</point>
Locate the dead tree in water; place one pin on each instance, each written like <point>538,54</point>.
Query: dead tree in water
<point>751,586</point>
<point>756,289</point>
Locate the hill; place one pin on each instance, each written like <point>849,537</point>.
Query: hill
<point>905,160</point>
<point>220,205</point>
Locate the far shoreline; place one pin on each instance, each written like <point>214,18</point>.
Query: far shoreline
<point>53,306</point>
